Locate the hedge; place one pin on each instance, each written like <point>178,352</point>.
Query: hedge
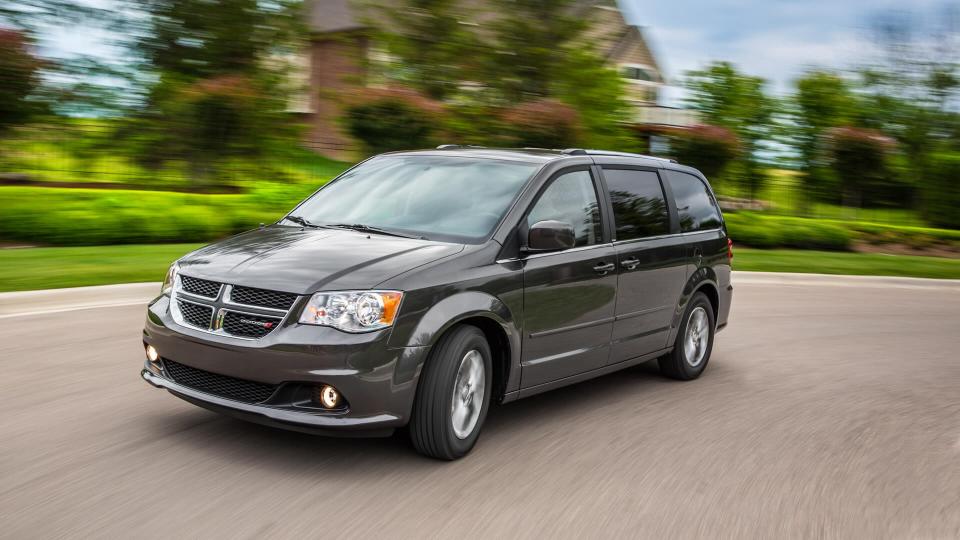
<point>76,217</point>
<point>768,231</point>
<point>762,231</point>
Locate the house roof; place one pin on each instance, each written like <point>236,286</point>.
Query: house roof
<point>328,16</point>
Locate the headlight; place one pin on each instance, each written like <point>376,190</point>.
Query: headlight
<point>170,279</point>
<point>353,311</point>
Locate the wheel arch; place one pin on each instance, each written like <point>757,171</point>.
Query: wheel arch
<point>487,313</point>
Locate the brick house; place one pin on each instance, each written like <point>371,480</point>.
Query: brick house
<point>341,49</point>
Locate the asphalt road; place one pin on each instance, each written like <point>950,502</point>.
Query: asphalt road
<point>831,408</point>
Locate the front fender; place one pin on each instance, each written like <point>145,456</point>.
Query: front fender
<point>453,310</point>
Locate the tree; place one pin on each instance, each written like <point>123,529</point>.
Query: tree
<point>532,41</point>
<point>437,53</point>
<point>19,78</point>
<point>860,158</point>
<point>727,98</point>
<point>221,91</point>
<point>708,148</point>
<point>823,100</point>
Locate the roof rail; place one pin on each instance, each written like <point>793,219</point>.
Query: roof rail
<point>573,152</point>
<point>626,154</point>
<point>455,146</point>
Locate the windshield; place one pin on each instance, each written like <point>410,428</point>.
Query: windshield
<point>436,197</point>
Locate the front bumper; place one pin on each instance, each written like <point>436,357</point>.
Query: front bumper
<point>377,382</point>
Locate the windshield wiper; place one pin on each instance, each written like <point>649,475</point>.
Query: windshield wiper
<point>359,227</point>
<point>301,221</point>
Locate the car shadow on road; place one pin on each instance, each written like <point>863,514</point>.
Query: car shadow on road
<point>207,433</point>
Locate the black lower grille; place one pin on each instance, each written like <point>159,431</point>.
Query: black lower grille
<point>199,287</point>
<point>218,385</point>
<point>246,325</point>
<point>196,314</point>
<point>262,297</point>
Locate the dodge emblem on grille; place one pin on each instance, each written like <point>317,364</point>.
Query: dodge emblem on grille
<point>263,324</point>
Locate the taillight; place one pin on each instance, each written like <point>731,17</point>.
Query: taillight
<point>730,249</point>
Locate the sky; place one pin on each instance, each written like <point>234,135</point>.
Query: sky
<point>773,39</point>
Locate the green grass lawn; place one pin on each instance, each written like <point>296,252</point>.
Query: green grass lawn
<point>828,262</point>
<point>46,268</point>
<point>50,268</point>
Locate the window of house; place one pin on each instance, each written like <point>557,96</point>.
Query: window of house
<point>571,198</point>
<point>639,207</point>
<point>636,73</point>
<point>696,208</point>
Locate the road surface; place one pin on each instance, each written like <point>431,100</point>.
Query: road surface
<point>831,408</point>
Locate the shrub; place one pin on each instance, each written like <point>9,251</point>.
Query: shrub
<point>863,161</point>
<point>761,231</point>
<point>707,148</point>
<point>19,77</point>
<point>544,123</point>
<point>941,197</point>
<point>395,119</point>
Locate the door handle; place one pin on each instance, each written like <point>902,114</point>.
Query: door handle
<point>630,263</point>
<point>603,268</point>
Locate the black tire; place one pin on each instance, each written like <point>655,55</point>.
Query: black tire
<point>431,428</point>
<point>675,364</point>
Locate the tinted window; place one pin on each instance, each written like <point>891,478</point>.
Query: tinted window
<point>695,206</point>
<point>571,198</point>
<point>639,208</point>
<point>440,197</point>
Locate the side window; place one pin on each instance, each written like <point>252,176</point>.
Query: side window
<point>571,198</point>
<point>639,207</point>
<point>696,207</point>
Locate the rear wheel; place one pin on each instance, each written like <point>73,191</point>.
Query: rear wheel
<point>453,395</point>
<point>694,343</point>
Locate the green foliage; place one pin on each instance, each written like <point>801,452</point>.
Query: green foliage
<point>763,231</point>
<point>435,51</point>
<point>95,217</point>
<point>862,159</point>
<point>19,78</point>
<point>393,120</point>
<point>727,98</point>
<point>941,191</point>
<point>596,92</point>
<point>707,148</point>
<point>541,124</point>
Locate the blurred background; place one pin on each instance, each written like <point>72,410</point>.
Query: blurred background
<point>160,124</point>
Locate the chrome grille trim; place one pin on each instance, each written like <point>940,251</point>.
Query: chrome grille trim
<point>220,306</point>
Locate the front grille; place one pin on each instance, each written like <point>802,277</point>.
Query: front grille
<point>199,287</point>
<point>196,314</point>
<point>262,297</point>
<point>218,385</point>
<point>246,325</point>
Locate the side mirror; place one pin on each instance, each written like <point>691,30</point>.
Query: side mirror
<point>550,236</point>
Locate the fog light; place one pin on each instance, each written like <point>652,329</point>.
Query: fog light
<point>329,397</point>
<point>152,354</point>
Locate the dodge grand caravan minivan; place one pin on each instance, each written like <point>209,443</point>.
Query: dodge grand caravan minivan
<point>418,288</point>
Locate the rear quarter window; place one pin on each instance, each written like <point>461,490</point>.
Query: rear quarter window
<point>695,206</point>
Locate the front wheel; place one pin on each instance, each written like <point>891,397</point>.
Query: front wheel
<point>694,343</point>
<point>453,395</point>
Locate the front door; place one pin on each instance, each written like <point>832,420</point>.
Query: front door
<point>568,297</point>
<point>651,262</point>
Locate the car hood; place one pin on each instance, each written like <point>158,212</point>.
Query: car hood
<point>307,260</point>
